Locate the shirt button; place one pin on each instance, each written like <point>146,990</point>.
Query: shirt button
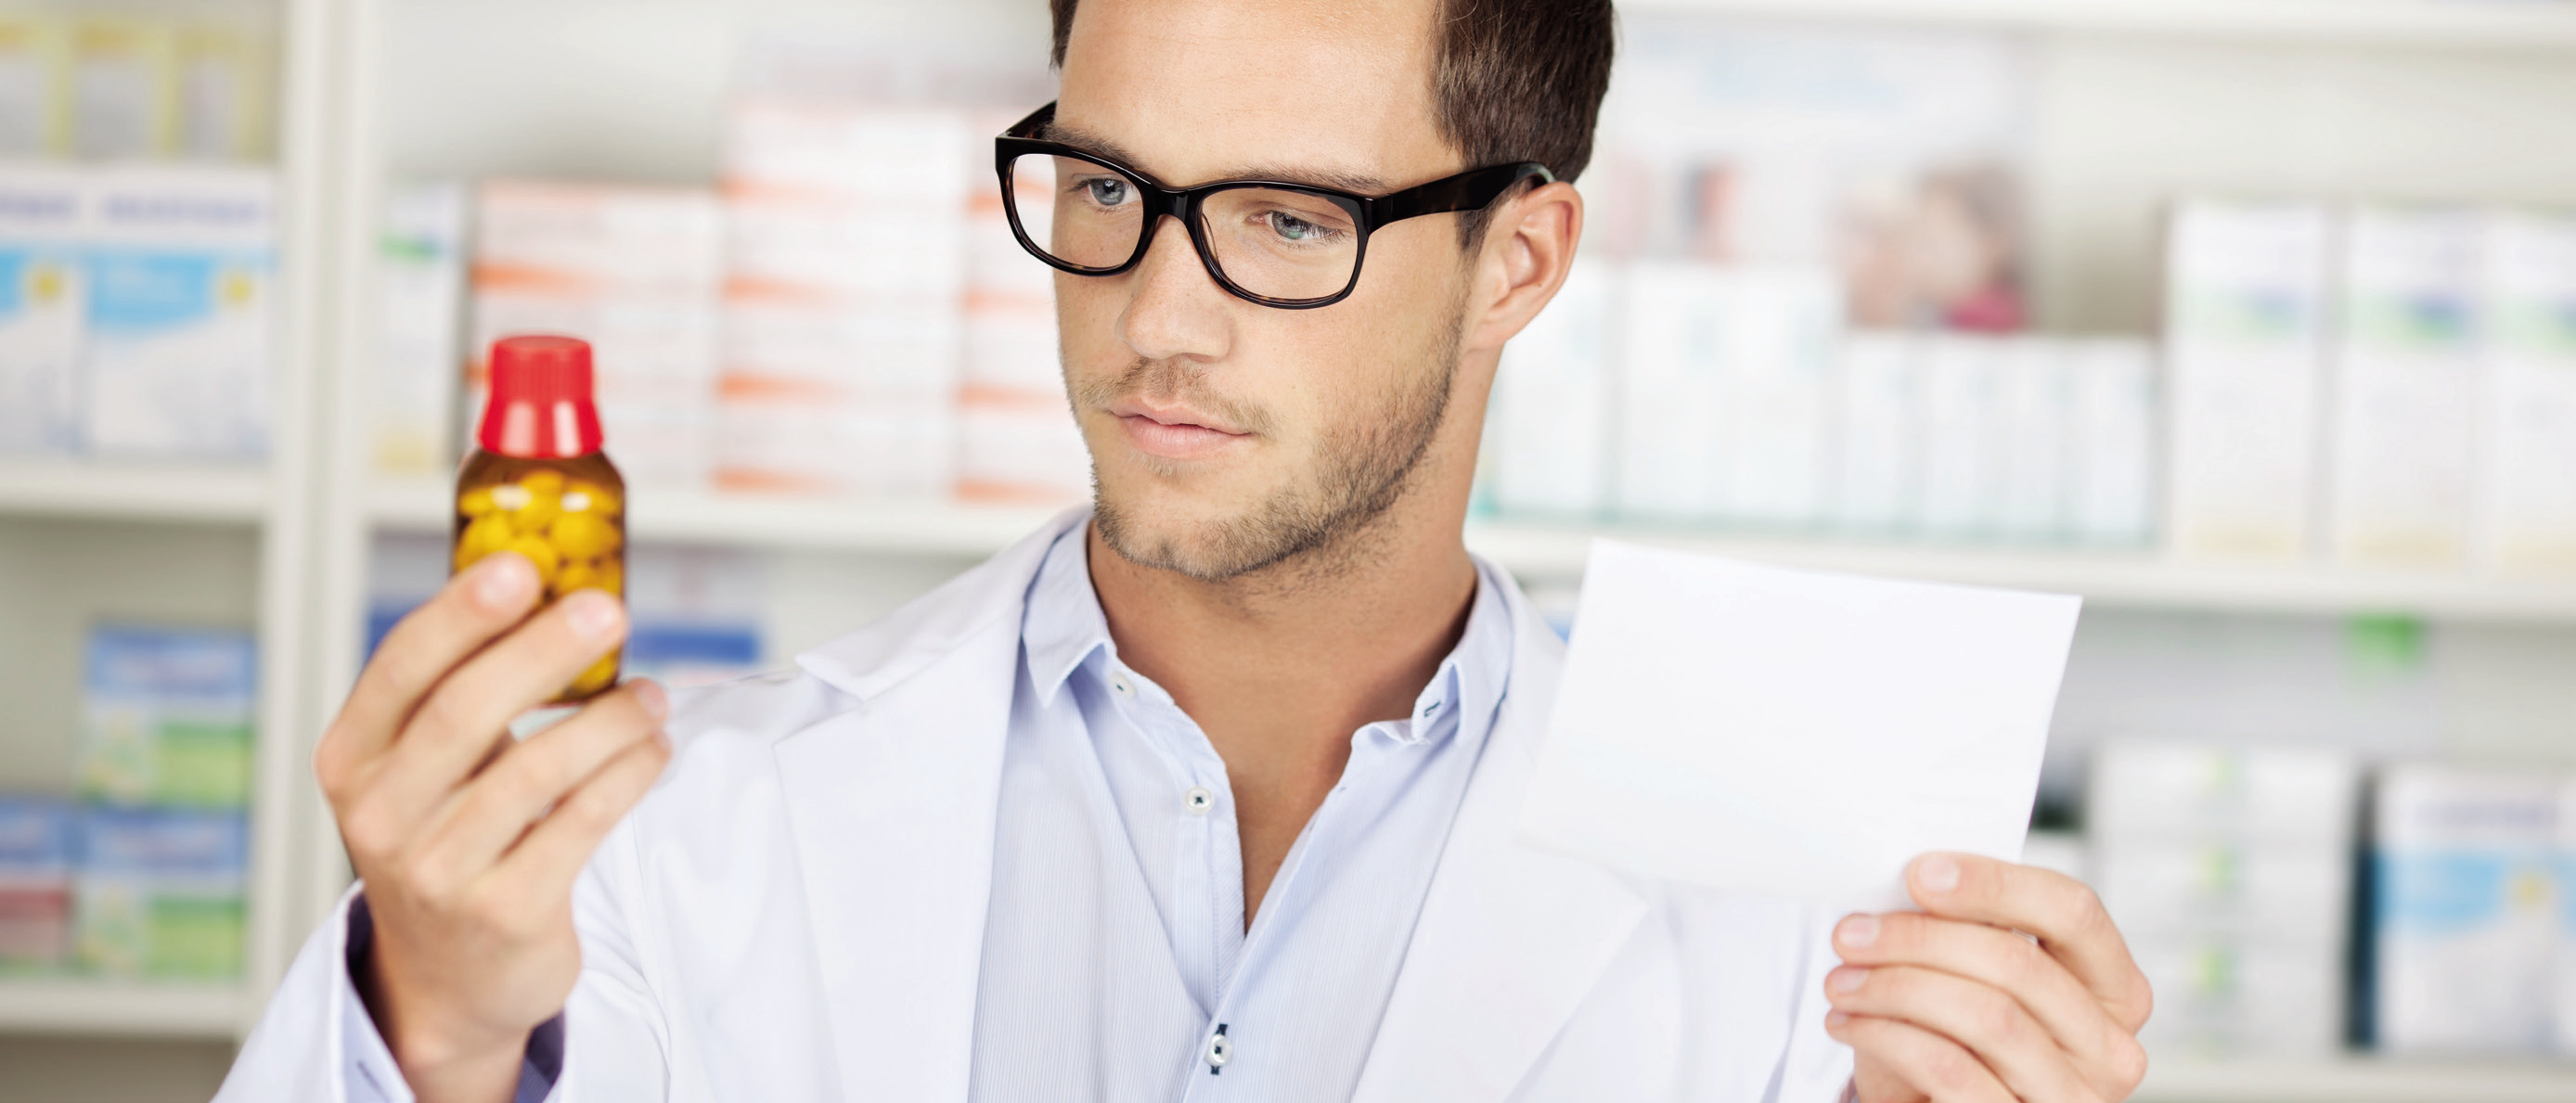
<point>1218,1052</point>
<point>1198,800</point>
<point>1119,685</point>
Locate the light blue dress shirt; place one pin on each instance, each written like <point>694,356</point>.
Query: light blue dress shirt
<point>1117,966</point>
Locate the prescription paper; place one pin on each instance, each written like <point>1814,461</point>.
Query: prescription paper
<point>1791,733</point>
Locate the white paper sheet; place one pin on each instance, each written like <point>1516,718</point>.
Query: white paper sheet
<point>1790,733</point>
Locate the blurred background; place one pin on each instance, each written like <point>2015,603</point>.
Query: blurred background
<point>2252,321</point>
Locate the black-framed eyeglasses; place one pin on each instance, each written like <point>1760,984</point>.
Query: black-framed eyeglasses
<point>1280,244</point>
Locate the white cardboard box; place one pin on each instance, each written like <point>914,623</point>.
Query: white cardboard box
<point>2113,414</point>
<point>2245,317</point>
<point>420,358</point>
<point>1548,429</point>
<point>181,279</point>
<point>1963,446</point>
<point>2405,386</point>
<point>2527,490</point>
<point>45,212</point>
<point>1877,438</point>
<point>2463,909</point>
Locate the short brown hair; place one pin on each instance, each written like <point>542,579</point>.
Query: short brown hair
<point>1518,80</point>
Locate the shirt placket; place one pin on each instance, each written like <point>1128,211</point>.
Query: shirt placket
<point>1207,872</point>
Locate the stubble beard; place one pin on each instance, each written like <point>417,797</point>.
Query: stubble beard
<point>1317,527</point>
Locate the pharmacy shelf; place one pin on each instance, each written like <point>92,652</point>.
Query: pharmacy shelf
<point>94,1007</point>
<point>2359,1080</point>
<point>191,492</point>
<point>769,521</point>
<point>2512,25</point>
<point>2128,579</point>
<point>2121,578</point>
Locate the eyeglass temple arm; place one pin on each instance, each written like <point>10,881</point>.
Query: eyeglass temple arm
<point>1464,192</point>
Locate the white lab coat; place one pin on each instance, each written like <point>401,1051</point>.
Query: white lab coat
<point>797,913</point>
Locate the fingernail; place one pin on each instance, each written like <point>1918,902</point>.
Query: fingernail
<point>504,581</point>
<point>1834,1020</point>
<point>593,614</point>
<point>1857,931</point>
<point>657,704</point>
<point>1845,980</point>
<point>1937,873</point>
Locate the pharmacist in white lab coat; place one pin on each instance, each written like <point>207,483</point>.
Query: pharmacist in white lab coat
<point>1205,793</point>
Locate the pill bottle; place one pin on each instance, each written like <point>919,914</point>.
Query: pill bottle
<point>538,484</point>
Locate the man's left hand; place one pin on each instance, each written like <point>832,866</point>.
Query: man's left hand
<point>2011,984</point>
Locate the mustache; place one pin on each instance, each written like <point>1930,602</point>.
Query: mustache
<point>1175,382</point>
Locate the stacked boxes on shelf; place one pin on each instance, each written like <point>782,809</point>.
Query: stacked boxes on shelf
<point>129,89</point>
<point>419,289</point>
<point>36,836</point>
<point>2385,386</point>
<point>2230,874</point>
<point>136,310</point>
<point>1016,441</point>
<point>697,612</point>
<point>2462,906</point>
<point>162,843</point>
<point>846,268</point>
<point>636,271</point>
<point>1672,392</point>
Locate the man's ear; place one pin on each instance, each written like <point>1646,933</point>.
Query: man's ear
<point>1528,248</point>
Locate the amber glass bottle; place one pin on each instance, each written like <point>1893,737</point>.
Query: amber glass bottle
<point>539,485</point>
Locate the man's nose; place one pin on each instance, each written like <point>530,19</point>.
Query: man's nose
<point>1176,308</point>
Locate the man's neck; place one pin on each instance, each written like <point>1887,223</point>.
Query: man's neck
<point>1279,669</point>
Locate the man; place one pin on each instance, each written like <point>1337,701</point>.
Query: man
<point>1204,794</point>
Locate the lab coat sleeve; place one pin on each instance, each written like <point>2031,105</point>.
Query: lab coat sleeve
<point>1815,1068</point>
<point>617,1043</point>
<point>317,1043</point>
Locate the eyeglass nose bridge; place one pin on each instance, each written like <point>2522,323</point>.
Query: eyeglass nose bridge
<point>1184,207</point>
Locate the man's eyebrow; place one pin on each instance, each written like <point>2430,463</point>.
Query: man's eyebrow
<point>1356,182</point>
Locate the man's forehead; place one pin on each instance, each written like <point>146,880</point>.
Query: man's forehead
<point>1334,92</point>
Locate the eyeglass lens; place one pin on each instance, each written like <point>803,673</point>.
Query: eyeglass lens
<point>1271,242</point>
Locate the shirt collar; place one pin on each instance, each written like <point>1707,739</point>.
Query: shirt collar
<point>1064,627</point>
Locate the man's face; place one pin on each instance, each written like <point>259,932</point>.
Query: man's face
<point>1227,436</point>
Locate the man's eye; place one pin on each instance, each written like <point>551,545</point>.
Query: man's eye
<point>1107,191</point>
<point>1293,228</point>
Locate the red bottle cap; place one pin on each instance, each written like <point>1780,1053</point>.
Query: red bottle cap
<point>541,405</point>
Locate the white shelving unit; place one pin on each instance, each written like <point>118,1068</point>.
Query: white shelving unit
<point>187,493</point>
<point>314,508</point>
<point>2115,578</point>
<point>2507,25</point>
<point>94,1007</point>
<point>2359,1080</point>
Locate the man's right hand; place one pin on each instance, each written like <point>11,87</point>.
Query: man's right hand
<point>469,843</point>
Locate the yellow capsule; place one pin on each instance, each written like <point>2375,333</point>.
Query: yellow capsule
<point>594,498</point>
<point>475,502</point>
<point>579,574</point>
<point>612,576</point>
<point>582,536</point>
<point>483,536</point>
<point>543,483</point>
<point>540,553</point>
<point>509,497</point>
<point>541,511</point>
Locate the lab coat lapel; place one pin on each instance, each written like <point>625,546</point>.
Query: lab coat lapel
<point>1511,938</point>
<point>892,808</point>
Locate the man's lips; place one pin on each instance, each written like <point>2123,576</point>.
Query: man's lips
<point>1173,432</point>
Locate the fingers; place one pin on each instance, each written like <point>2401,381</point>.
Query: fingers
<point>1912,1057</point>
<point>516,789</point>
<point>556,849</point>
<point>1992,1026</point>
<point>474,607</point>
<point>454,729</point>
<point>2010,963</point>
<point>2065,915</point>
